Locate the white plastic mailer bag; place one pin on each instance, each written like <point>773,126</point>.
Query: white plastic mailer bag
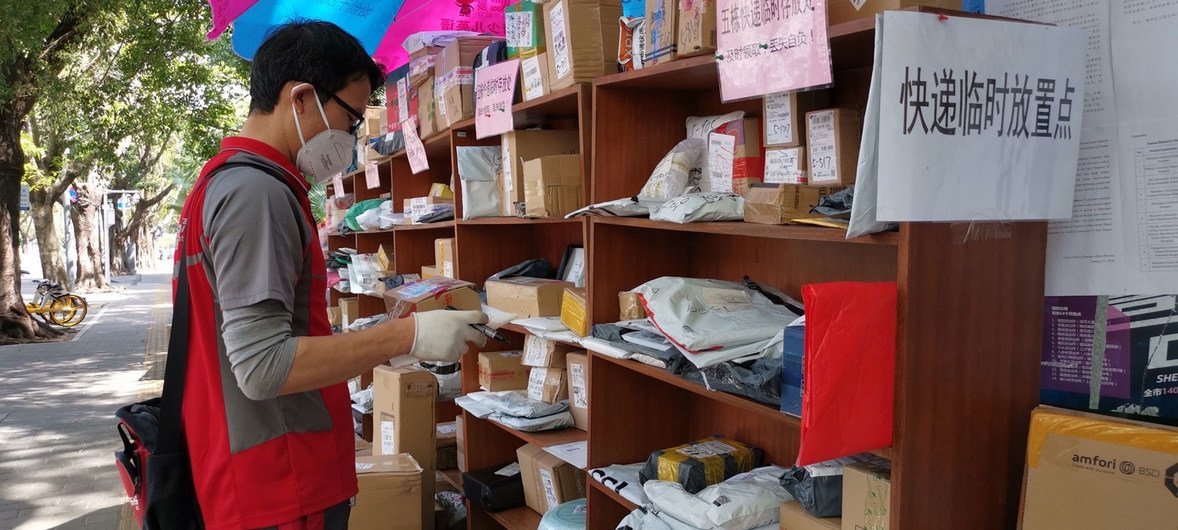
<point>479,169</point>
<point>713,321</point>
<point>516,403</point>
<point>671,176</point>
<point>699,207</point>
<point>623,480</point>
<point>744,502</point>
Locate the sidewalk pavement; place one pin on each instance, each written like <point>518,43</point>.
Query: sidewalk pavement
<point>57,404</point>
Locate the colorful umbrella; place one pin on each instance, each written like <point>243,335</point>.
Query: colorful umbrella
<point>381,26</point>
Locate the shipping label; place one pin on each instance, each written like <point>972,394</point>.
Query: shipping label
<point>721,149</point>
<point>536,379</point>
<point>707,449</point>
<point>784,166</point>
<point>510,470</point>
<point>823,156</point>
<point>562,55</point>
<point>779,119</point>
<point>520,31</point>
<point>388,430</point>
<point>580,388</point>
<point>533,78</point>
<point>549,489</point>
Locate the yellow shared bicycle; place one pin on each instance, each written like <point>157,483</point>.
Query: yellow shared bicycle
<point>55,305</point>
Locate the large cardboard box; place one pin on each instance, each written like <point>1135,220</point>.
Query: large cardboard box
<point>390,494</point>
<point>776,204</point>
<point>548,385</point>
<point>444,256</point>
<point>430,294</point>
<point>543,353</point>
<point>519,146</point>
<point>662,31</point>
<point>502,370</point>
<point>581,38</point>
<point>1089,472</point>
<point>794,517</point>
<point>867,496</point>
<point>525,29</point>
<point>832,136</point>
<point>552,186</point>
<point>527,297</point>
<point>578,376</point>
<point>697,28</point>
<point>403,410</point>
<point>552,480</point>
<point>455,79</point>
<point>839,11</point>
<point>427,115</point>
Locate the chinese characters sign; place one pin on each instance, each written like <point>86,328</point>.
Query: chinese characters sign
<point>418,161</point>
<point>494,89</point>
<point>769,46</point>
<point>968,131</point>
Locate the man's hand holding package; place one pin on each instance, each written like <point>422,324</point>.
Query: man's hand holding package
<point>445,335</point>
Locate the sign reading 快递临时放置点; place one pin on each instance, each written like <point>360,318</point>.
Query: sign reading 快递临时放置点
<point>494,90</point>
<point>760,51</point>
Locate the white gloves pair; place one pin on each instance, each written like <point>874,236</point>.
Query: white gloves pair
<point>444,335</point>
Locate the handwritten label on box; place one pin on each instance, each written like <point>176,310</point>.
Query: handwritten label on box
<point>418,162</point>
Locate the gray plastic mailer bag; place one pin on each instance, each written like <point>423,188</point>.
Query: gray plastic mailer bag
<point>479,168</point>
<point>818,487</point>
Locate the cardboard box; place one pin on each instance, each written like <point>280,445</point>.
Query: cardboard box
<point>662,31</point>
<point>534,72</point>
<point>794,517</point>
<point>447,440</point>
<point>427,115</point>
<point>460,433</point>
<point>403,411</point>
<point>839,11</point>
<point>552,186</point>
<point>390,494</point>
<point>1089,472</point>
<point>519,146</point>
<point>785,165</point>
<point>385,260</point>
<point>429,272</point>
<point>374,121</point>
<point>422,65</point>
<point>785,116</point>
<point>578,376</point>
<point>502,370</point>
<point>455,79</point>
<point>444,256</point>
<point>349,310</point>
<point>697,28</point>
<point>776,204</point>
<point>423,204</point>
<point>581,37</point>
<point>832,136</point>
<point>630,307</point>
<point>574,311</point>
<point>430,294</point>
<point>543,353</point>
<point>335,316</point>
<point>548,385</point>
<point>867,496</point>
<point>527,297</point>
<point>525,29</point>
<point>552,481</point>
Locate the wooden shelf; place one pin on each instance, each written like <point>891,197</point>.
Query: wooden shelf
<point>453,477</point>
<point>520,329</point>
<point>546,438</point>
<point>485,221</point>
<point>437,145</point>
<point>522,518</point>
<point>613,495</point>
<point>424,226</point>
<point>738,228</point>
<point>695,73</point>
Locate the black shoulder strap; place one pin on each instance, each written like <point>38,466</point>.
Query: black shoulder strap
<point>171,430</point>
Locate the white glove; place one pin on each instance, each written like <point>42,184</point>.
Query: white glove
<point>443,335</point>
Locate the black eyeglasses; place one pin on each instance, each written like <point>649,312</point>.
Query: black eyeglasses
<point>356,115</point>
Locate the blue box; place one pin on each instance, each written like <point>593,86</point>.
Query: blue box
<point>793,354</point>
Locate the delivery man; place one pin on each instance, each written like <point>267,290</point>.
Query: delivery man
<point>266,410</point>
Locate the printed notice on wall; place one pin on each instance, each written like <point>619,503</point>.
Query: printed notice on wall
<point>771,50</point>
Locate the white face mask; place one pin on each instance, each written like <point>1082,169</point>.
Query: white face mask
<point>328,153</point>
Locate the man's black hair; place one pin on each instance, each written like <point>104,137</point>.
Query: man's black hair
<point>319,53</point>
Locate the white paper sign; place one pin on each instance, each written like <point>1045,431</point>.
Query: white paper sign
<point>371,175</point>
<point>402,100</point>
<point>721,148</point>
<point>763,50</point>
<point>976,132</point>
<point>415,150</point>
<point>519,29</point>
<point>779,128</point>
<point>533,78</point>
<point>561,54</point>
<point>783,166</point>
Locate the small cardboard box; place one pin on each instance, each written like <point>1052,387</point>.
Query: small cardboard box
<point>630,307</point>
<point>430,271</point>
<point>527,297</point>
<point>552,480</point>
<point>403,412</point>
<point>374,121</point>
<point>794,517</point>
<point>697,28</point>
<point>423,64</point>
<point>447,440</point>
<point>662,32</point>
<point>552,186</point>
<point>431,294</point>
<point>785,116</point>
<point>413,205</point>
<point>455,78</point>
<point>534,72</point>
<point>574,311</point>
<point>839,11</point>
<point>349,310</point>
<point>335,316</point>
<point>444,256</point>
<point>519,146</point>
<point>832,136</point>
<point>776,204</point>
<point>502,370</point>
<point>1089,472</point>
<point>581,38</point>
<point>385,260</point>
<point>460,433</point>
<point>390,493</point>
<point>525,29</point>
<point>547,384</point>
<point>867,493</point>
<point>785,165</point>
<point>578,376</point>
<point>543,353</point>
<point>427,116</point>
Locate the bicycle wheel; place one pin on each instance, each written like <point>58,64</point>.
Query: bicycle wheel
<point>69,310</point>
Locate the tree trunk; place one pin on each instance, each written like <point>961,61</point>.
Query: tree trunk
<point>48,237</point>
<point>15,321</point>
<point>84,214</point>
<point>145,251</point>
<point>119,264</point>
